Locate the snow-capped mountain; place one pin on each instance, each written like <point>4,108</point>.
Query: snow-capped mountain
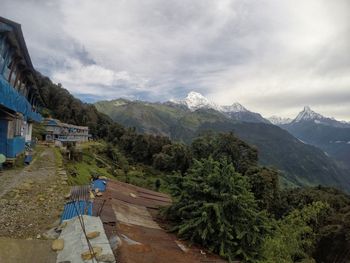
<point>326,133</point>
<point>235,107</point>
<point>195,101</point>
<point>279,120</point>
<point>308,115</point>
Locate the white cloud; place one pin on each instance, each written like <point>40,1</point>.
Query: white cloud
<point>273,56</point>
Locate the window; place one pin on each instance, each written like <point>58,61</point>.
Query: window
<point>8,69</point>
<point>2,53</point>
<point>10,129</point>
<point>19,127</point>
<point>13,77</point>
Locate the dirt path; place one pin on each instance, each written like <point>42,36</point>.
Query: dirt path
<point>9,179</point>
<point>25,251</point>
<point>32,199</point>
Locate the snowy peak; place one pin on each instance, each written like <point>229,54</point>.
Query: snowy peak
<point>307,114</point>
<point>235,107</point>
<point>279,120</point>
<point>236,111</point>
<point>195,100</point>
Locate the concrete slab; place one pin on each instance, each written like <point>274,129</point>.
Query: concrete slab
<point>133,214</point>
<point>26,251</point>
<point>75,242</point>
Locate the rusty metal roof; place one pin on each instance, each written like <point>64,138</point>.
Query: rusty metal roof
<point>80,192</point>
<point>127,211</point>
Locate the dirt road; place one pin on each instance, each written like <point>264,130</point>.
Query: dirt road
<point>31,199</point>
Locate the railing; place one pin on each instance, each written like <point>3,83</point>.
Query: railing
<point>72,138</point>
<point>11,99</point>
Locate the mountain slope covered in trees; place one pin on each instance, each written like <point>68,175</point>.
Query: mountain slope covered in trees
<point>335,141</point>
<point>300,163</point>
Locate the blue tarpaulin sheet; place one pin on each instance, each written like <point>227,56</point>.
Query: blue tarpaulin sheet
<point>71,209</point>
<point>100,184</point>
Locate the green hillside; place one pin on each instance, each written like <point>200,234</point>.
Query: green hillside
<point>333,140</point>
<point>301,164</point>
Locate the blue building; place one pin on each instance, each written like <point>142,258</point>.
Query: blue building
<point>19,97</point>
<point>64,132</point>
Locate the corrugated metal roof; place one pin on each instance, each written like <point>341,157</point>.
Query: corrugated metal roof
<point>80,192</point>
<point>72,209</point>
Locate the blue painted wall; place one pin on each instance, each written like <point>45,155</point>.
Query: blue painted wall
<point>15,146</point>
<point>3,136</point>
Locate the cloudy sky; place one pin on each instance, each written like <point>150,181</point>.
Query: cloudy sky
<point>273,56</point>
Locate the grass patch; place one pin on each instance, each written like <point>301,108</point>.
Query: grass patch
<point>95,161</point>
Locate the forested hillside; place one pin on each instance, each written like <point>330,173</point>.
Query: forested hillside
<point>333,140</point>
<point>301,164</point>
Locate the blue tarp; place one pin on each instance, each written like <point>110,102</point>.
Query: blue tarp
<point>100,184</point>
<point>71,209</point>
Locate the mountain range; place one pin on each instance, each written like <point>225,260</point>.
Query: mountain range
<point>328,134</point>
<point>300,162</point>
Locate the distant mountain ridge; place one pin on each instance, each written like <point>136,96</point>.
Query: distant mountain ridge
<point>302,164</point>
<point>328,134</point>
<point>307,114</point>
<point>237,111</point>
<point>279,120</point>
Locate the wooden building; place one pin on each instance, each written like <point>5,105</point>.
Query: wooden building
<point>19,98</point>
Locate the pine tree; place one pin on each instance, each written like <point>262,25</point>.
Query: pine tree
<point>216,209</point>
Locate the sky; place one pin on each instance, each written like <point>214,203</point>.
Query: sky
<point>272,56</point>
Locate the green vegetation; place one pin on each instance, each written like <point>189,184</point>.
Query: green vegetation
<point>294,238</point>
<point>102,159</point>
<point>300,164</point>
<point>215,208</point>
<point>223,198</point>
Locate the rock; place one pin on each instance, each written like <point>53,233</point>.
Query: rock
<point>61,226</point>
<point>97,190</point>
<point>67,196</point>
<point>103,178</point>
<point>93,234</point>
<point>99,194</point>
<point>64,183</point>
<point>57,245</point>
<point>51,234</point>
<point>133,195</point>
<point>97,251</point>
<point>92,195</point>
<point>41,199</point>
<point>38,236</point>
<point>105,258</point>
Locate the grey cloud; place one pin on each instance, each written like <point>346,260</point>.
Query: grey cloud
<point>264,54</point>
